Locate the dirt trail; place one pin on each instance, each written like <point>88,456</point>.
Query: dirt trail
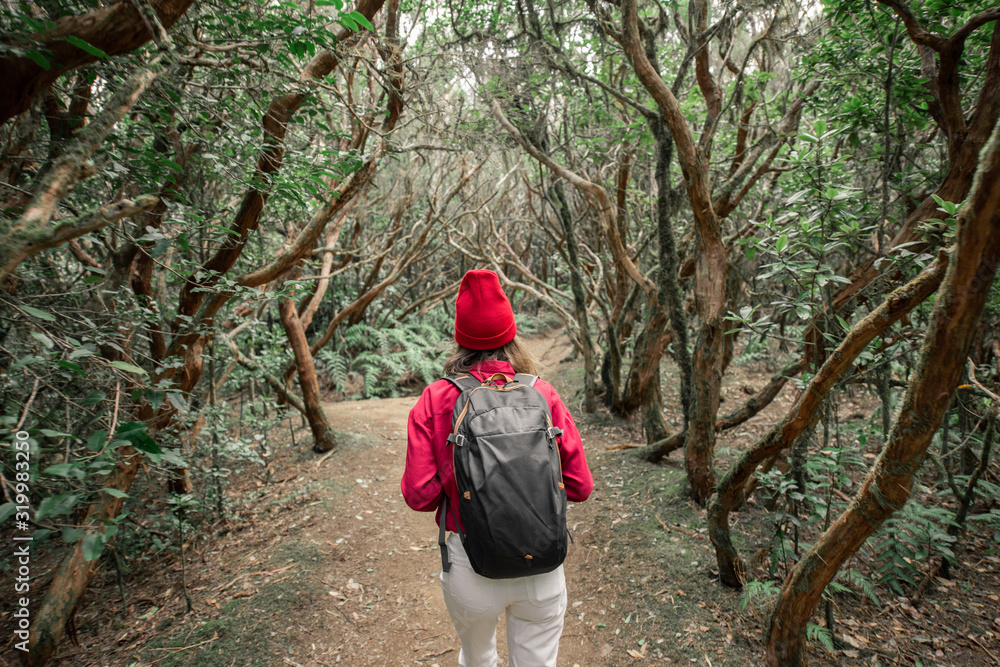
<point>392,551</point>
<point>325,565</point>
<point>330,567</point>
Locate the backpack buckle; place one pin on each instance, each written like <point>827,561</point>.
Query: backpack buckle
<point>457,438</point>
<point>554,432</point>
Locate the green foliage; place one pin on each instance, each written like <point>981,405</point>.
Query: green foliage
<point>821,635</point>
<point>759,595</point>
<point>991,523</point>
<point>913,536</point>
<point>854,582</point>
<point>386,359</point>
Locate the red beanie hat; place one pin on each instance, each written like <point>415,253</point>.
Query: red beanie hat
<point>484,319</point>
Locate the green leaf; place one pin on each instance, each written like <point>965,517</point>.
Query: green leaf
<point>61,469</point>
<point>155,399</point>
<point>56,505</point>
<point>160,248</point>
<point>946,206</point>
<point>360,18</point>
<point>820,127</point>
<point>94,397</point>
<point>71,535</point>
<point>97,441</point>
<point>89,48</point>
<point>93,545</point>
<point>115,493</point>
<point>37,57</point>
<point>43,339</point>
<point>40,314</point>
<point>81,352</point>
<point>177,400</point>
<point>135,433</point>
<point>174,459</point>
<point>781,243</point>
<point>69,365</point>
<point>130,368</point>
<point>41,534</point>
<point>25,361</point>
<point>49,433</point>
<point>7,510</point>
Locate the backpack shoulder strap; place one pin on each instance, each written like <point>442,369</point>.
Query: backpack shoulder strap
<point>463,382</point>
<point>530,380</point>
<point>524,378</point>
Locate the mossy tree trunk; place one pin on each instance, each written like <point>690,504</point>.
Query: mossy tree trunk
<point>804,414</point>
<point>202,303</point>
<point>579,298</point>
<point>886,489</point>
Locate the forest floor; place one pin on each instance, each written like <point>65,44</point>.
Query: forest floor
<point>328,566</point>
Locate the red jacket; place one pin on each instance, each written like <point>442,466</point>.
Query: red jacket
<point>428,455</point>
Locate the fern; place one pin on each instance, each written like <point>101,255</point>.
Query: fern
<point>759,594</point>
<point>862,585</point>
<point>360,335</point>
<point>371,383</point>
<point>385,358</point>
<point>817,633</point>
<point>336,367</point>
<point>914,535</point>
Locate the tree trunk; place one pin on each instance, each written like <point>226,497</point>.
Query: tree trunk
<point>669,295</point>
<point>747,411</point>
<point>115,29</point>
<point>643,385</point>
<point>805,412</point>
<point>579,299</point>
<point>710,251</point>
<point>887,487</point>
<point>699,451</point>
<point>74,573</point>
<point>323,437</point>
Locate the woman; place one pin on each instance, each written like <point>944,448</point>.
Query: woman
<point>486,344</point>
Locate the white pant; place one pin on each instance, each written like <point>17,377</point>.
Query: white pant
<point>535,607</point>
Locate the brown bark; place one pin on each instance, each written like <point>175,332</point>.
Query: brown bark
<point>116,29</point>
<point>886,489</point>
<point>806,412</point>
<point>710,265</point>
<point>759,401</point>
<point>275,124</point>
<point>965,142</point>
<point>74,573</point>
<point>311,305</point>
<point>33,231</point>
<point>323,437</point>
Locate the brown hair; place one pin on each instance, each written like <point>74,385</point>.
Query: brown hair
<point>462,359</point>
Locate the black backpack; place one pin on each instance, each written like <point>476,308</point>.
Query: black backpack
<point>512,500</point>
